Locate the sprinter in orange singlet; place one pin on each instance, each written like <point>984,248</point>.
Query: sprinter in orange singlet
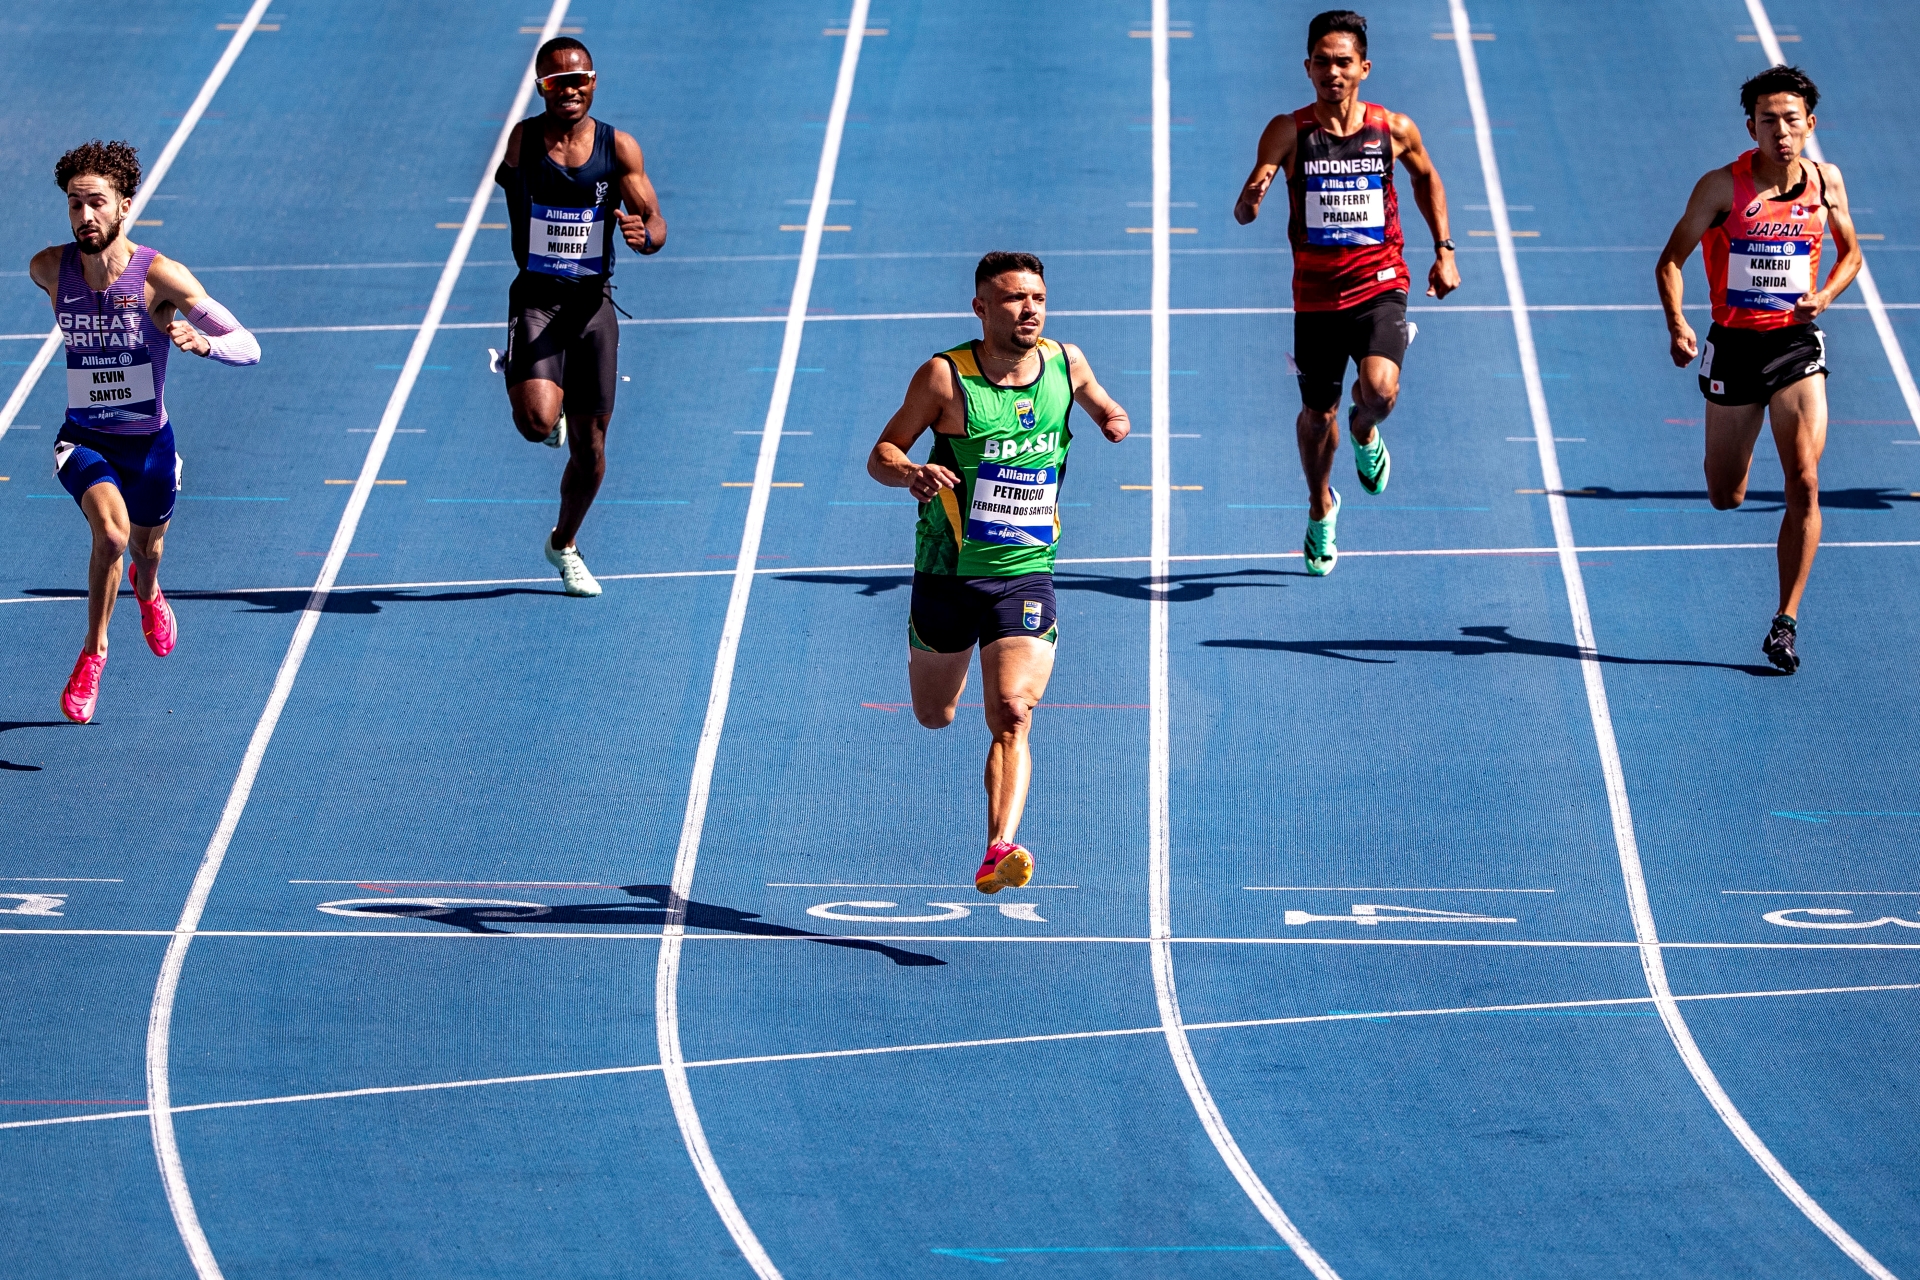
<point>1349,281</point>
<point>1761,219</point>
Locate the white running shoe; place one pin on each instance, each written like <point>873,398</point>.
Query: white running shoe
<point>493,360</point>
<point>557,438</point>
<point>573,570</point>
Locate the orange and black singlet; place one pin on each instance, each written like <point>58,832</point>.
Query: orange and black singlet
<point>1765,255</point>
<point>1343,216</point>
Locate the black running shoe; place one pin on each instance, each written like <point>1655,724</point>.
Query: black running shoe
<point>1778,646</point>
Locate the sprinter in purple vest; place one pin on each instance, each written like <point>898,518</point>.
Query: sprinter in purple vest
<point>120,308</point>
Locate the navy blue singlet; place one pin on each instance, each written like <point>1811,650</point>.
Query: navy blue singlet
<point>562,218</point>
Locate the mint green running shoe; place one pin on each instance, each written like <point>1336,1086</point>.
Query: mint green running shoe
<point>1373,463</point>
<point>1321,553</point>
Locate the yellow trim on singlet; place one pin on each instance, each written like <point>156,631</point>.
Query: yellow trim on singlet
<point>963,360</point>
<point>950,504</point>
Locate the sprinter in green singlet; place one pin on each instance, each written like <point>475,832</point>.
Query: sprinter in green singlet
<point>989,521</point>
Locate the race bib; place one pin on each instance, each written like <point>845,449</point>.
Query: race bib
<point>565,242</point>
<point>110,386</point>
<point>1346,210</point>
<point>1014,506</point>
<point>1768,275</point>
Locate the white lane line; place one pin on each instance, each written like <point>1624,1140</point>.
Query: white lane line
<point>667,975</point>
<point>967,315</point>
<point>1651,961</point>
<point>160,1017</point>
<point>619,935</point>
<point>1159,835</point>
<point>50,339</point>
<point>1869,291</point>
<point>1827,893</point>
<point>939,1045</point>
<point>186,592</point>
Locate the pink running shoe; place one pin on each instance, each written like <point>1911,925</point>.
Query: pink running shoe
<point>156,619</point>
<point>82,693</point>
<point>1007,866</point>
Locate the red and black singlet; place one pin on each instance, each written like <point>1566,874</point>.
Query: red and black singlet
<point>1765,255</point>
<point>1343,216</point>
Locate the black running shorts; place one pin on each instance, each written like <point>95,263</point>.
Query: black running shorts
<point>565,333</point>
<point>1323,342</point>
<point>1746,366</point>
<point>951,614</point>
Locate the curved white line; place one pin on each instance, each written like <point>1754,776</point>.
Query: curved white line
<point>166,1145</point>
<point>1159,873</point>
<point>1611,767</point>
<point>666,984</point>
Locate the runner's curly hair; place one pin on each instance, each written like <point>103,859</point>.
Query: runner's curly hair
<point>1000,261</point>
<point>117,162</point>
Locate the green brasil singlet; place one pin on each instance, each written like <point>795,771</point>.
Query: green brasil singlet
<point>1004,519</point>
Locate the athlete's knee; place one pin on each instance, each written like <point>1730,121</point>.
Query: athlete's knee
<point>933,717</point>
<point>533,424</point>
<point>1803,486</point>
<point>1378,393</point>
<point>1009,716</point>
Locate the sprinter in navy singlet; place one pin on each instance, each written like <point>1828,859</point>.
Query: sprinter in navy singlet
<point>566,175</point>
<point>121,309</point>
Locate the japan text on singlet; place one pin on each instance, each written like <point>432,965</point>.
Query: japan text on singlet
<point>1766,255</point>
<point>562,218</point>
<point>116,354</point>
<point>1004,519</point>
<point>1343,217</point>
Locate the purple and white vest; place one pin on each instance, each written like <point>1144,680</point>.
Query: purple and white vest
<point>116,354</point>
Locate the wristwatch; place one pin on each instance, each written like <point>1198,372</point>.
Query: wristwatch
<point>1442,244</point>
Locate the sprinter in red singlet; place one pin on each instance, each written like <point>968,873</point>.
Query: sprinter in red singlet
<point>1761,219</point>
<point>1349,280</point>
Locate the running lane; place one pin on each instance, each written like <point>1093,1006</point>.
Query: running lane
<point>1762,804</point>
<point>1417,731</point>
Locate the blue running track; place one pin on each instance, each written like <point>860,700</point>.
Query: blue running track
<point>1385,925</point>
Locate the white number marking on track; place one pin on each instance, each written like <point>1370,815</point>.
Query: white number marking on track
<point>1027,911</point>
<point>1782,917</point>
<point>34,904</point>
<point>1369,913</point>
<point>422,908</point>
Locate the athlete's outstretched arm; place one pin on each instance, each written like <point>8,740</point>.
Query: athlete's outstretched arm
<point>1848,264</point>
<point>931,396</point>
<point>1712,197</point>
<point>644,228</point>
<point>213,331</point>
<point>1431,195</point>
<point>1092,397</point>
<point>1274,157</point>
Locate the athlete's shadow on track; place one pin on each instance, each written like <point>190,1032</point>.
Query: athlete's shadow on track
<point>8,725</point>
<point>1830,499</point>
<point>1185,588</point>
<point>1483,642</point>
<point>343,600</point>
<point>700,915</point>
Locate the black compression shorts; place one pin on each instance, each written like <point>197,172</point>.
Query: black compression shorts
<point>564,333</point>
<point>1323,342</point>
<point>951,614</point>
<point>1746,366</point>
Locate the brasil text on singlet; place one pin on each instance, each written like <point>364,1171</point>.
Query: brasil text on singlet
<point>1004,519</point>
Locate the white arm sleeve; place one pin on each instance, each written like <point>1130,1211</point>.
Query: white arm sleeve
<point>227,341</point>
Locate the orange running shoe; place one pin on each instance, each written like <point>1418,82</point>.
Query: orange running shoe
<point>82,693</point>
<point>156,619</point>
<point>1008,866</point>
